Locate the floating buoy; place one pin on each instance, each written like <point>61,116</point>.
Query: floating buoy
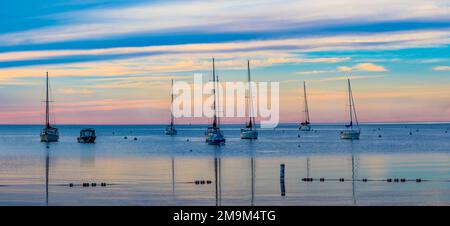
<point>135,138</point>
<point>322,179</point>
<point>379,136</point>
<point>187,140</point>
<point>190,150</point>
<point>202,182</point>
<point>418,180</point>
<point>396,180</point>
<point>103,184</point>
<point>364,180</point>
<point>298,136</point>
<point>389,180</point>
<point>125,137</point>
<point>298,145</point>
<point>197,182</point>
<point>410,133</point>
<point>71,185</point>
<point>402,180</point>
<point>208,182</point>
<point>341,179</point>
<point>93,184</point>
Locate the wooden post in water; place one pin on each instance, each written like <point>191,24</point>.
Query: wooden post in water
<point>282,184</point>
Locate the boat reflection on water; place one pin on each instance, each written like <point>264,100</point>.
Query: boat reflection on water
<point>354,172</point>
<point>173,177</point>
<point>47,172</point>
<point>253,174</point>
<point>87,157</point>
<point>218,175</point>
<point>353,179</point>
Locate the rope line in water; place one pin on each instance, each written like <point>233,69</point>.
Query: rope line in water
<point>388,180</point>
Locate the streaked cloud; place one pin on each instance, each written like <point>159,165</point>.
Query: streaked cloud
<point>441,68</point>
<point>344,68</point>
<point>363,67</point>
<point>314,72</point>
<point>209,17</point>
<point>264,52</point>
<point>350,77</point>
<point>71,91</point>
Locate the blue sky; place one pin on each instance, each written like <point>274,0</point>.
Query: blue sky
<point>115,58</point>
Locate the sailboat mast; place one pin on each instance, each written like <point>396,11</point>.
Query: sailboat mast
<point>306,104</point>
<point>354,108</point>
<point>47,113</point>
<point>171,106</point>
<point>214,94</point>
<point>250,101</point>
<point>217,109</point>
<point>350,102</point>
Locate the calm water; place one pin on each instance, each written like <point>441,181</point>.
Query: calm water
<point>160,170</point>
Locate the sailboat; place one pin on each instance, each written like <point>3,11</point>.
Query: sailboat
<point>352,132</point>
<point>170,129</point>
<point>48,133</point>
<point>213,135</point>
<point>249,132</point>
<point>304,126</point>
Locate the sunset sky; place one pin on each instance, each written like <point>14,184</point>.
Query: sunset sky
<point>111,61</point>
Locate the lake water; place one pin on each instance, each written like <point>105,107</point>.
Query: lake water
<point>161,170</point>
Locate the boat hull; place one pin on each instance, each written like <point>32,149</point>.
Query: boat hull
<point>86,139</point>
<point>249,134</point>
<point>171,131</point>
<point>216,139</point>
<point>350,134</point>
<point>49,137</point>
<point>305,128</point>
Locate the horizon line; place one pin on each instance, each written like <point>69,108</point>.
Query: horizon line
<point>282,123</point>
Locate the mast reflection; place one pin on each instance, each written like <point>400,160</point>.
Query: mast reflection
<point>173,178</point>
<point>252,173</point>
<point>47,169</point>
<point>217,175</point>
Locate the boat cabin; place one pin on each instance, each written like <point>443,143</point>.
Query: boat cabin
<point>87,136</point>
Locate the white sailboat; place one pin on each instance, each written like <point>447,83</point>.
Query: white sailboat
<point>213,135</point>
<point>170,129</point>
<point>304,126</point>
<point>249,132</point>
<point>352,132</point>
<point>48,133</point>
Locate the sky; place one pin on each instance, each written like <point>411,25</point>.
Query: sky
<point>111,61</point>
